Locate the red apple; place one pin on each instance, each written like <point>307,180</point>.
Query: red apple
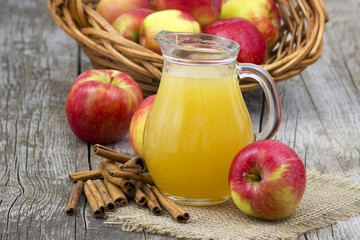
<point>171,20</point>
<point>267,180</point>
<point>252,43</point>
<point>137,124</point>
<point>262,13</point>
<point>128,24</point>
<point>100,105</point>
<point>111,9</point>
<point>205,11</point>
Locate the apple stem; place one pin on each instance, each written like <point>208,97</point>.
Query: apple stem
<point>111,79</point>
<point>252,176</point>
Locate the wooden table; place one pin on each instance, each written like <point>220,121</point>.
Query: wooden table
<point>321,122</point>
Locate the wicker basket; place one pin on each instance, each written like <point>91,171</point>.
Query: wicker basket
<point>300,44</point>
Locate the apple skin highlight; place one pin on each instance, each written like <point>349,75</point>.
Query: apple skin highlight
<point>128,24</point>
<point>137,125</point>
<point>171,20</point>
<point>205,11</point>
<point>100,105</point>
<point>112,9</point>
<point>252,44</point>
<point>264,14</point>
<point>267,180</point>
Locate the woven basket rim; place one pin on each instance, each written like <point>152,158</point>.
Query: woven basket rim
<point>301,44</point>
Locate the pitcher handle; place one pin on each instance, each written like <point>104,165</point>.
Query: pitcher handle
<point>272,97</point>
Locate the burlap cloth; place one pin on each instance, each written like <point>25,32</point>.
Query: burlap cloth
<point>327,199</point>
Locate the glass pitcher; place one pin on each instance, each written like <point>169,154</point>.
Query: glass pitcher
<point>199,121</point>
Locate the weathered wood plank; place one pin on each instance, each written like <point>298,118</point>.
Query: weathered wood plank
<point>341,118</point>
<point>37,61</point>
<point>321,114</point>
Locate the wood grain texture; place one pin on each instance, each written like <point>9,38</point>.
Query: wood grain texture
<point>321,121</point>
<point>321,108</point>
<point>34,134</point>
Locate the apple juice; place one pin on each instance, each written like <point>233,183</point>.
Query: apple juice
<point>197,125</point>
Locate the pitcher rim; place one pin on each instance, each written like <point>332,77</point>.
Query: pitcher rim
<point>220,49</point>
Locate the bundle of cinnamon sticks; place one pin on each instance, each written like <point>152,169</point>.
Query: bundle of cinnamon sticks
<point>119,178</point>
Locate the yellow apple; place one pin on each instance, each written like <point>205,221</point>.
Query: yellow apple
<point>171,20</point>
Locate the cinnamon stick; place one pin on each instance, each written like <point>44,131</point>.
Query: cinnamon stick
<point>152,202</point>
<point>134,165</point>
<point>105,166</point>
<point>74,198</point>
<point>125,185</point>
<point>116,194</point>
<point>109,203</point>
<point>74,177</point>
<point>92,202</point>
<point>138,177</point>
<point>179,214</point>
<point>140,198</point>
<point>96,194</point>
<point>109,153</point>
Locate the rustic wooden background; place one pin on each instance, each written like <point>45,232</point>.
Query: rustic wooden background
<point>321,121</point>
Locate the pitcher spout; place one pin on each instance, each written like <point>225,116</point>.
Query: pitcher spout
<point>192,47</point>
<point>161,36</point>
<point>165,40</point>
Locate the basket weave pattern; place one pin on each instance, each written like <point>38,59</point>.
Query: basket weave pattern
<point>300,43</point>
